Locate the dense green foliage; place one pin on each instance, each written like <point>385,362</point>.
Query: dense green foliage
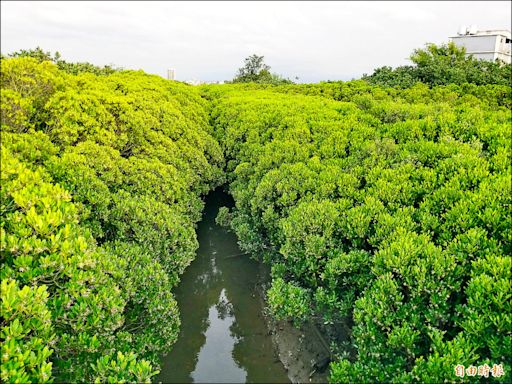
<point>361,93</point>
<point>384,208</point>
<point>102,178</point>
<point>442,65</point>
<point>389,210</point>
<point>69,67</point>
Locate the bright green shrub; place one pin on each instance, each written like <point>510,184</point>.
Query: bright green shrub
<point>43,244</point>
<point>123,368</point>
<point>287,300</point>
<point>27,85</point>
<point>487,314</point>
<point>16,111</point>
<point>151,313</point>
<point>26,332</point>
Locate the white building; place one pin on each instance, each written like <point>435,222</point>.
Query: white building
<point>485,45</point>
<point>171,74</point>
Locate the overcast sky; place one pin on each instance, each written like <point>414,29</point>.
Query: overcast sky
<point>209,40</point>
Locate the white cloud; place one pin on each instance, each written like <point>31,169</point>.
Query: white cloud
<point>209,40</point>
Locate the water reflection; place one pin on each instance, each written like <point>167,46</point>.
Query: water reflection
<point>215,363</point>
<point>223,335</point>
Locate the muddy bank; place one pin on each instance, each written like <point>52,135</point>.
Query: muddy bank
<point>303,352</point>
<point>300,352</point>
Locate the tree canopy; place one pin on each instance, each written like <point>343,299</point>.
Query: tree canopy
<point>442,65</point>
<point>255,70</point>
<point>68,67</point>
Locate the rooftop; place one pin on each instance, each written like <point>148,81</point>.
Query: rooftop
<point>491,32</point>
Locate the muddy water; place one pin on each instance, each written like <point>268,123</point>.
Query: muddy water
<point>223,336</point>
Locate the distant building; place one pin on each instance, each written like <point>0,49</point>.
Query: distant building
<point>485,45</point>
<point>171,74</point>
<point>201,82</point>
<point>194,82</point>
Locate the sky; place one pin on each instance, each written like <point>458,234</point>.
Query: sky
<point>208,41</point>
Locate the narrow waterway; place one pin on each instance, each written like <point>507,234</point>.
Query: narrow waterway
<point>223,338</point>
